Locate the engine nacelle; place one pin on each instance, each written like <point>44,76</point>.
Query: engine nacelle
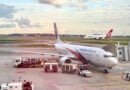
<point>65,60</point>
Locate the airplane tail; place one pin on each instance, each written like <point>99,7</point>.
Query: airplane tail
<point>108,35</point>
<point>57,38</point>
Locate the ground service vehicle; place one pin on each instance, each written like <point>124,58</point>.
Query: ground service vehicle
<point>82,70</point>
<point>126,76</point>
<point>51,66</point>
<point>83,67</point>
<point>69,68</point>
<point>28,62</point>
<point>85,73</point>
<point>17,86</point>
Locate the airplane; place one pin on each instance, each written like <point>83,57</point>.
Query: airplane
<point>93,55</point>
<point>98,36</point>
<point>96,56</point>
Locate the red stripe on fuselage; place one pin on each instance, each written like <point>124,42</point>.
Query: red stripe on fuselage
<point>78,56</point>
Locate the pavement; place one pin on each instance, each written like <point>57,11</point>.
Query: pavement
<point>59,81</point>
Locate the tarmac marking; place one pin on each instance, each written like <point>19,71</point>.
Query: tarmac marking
<point>57,86</point>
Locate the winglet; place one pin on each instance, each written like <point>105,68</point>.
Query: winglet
<point>58,40</point>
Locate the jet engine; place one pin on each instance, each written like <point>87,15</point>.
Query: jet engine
<point>65,60</point>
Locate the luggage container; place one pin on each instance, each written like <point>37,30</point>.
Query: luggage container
<point>69,68</point>
<point>51,67</point>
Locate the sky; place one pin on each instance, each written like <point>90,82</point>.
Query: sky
<point>72,16</point>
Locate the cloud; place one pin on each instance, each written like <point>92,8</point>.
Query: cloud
<point>59,3</point>
<point>7,11</point>
<point>56,3</point>
<point>111,0</point>
<point>7,25</point>
<point>25,23</point>
<point>128,23</point>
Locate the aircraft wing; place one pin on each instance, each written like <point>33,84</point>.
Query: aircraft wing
<point>41,53</point>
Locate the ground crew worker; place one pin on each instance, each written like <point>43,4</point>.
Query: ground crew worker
<point>42,63</point>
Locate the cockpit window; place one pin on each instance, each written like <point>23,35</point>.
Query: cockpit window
<point>106,56</point>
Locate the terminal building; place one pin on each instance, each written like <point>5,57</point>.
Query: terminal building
<point>120,51</point>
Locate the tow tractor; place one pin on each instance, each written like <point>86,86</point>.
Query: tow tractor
<point>83,71</point>
<point>51,66</point>
<point>16,86</point>
<point>28,62</point>
<point>126,76</point>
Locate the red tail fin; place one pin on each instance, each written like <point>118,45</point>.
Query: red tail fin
<point>108,35</point>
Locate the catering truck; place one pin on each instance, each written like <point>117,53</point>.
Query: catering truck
<point>28,62</point>
<point>16,86</point>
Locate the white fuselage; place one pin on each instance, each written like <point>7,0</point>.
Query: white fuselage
<point>95,36</point>
<point>93,55</point>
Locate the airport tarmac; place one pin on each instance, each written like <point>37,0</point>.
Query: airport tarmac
<point>59,81</point>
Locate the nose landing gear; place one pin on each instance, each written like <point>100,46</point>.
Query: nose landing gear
<point>106,71</point>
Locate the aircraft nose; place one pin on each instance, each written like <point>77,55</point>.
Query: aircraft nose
<point>114,61</point>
